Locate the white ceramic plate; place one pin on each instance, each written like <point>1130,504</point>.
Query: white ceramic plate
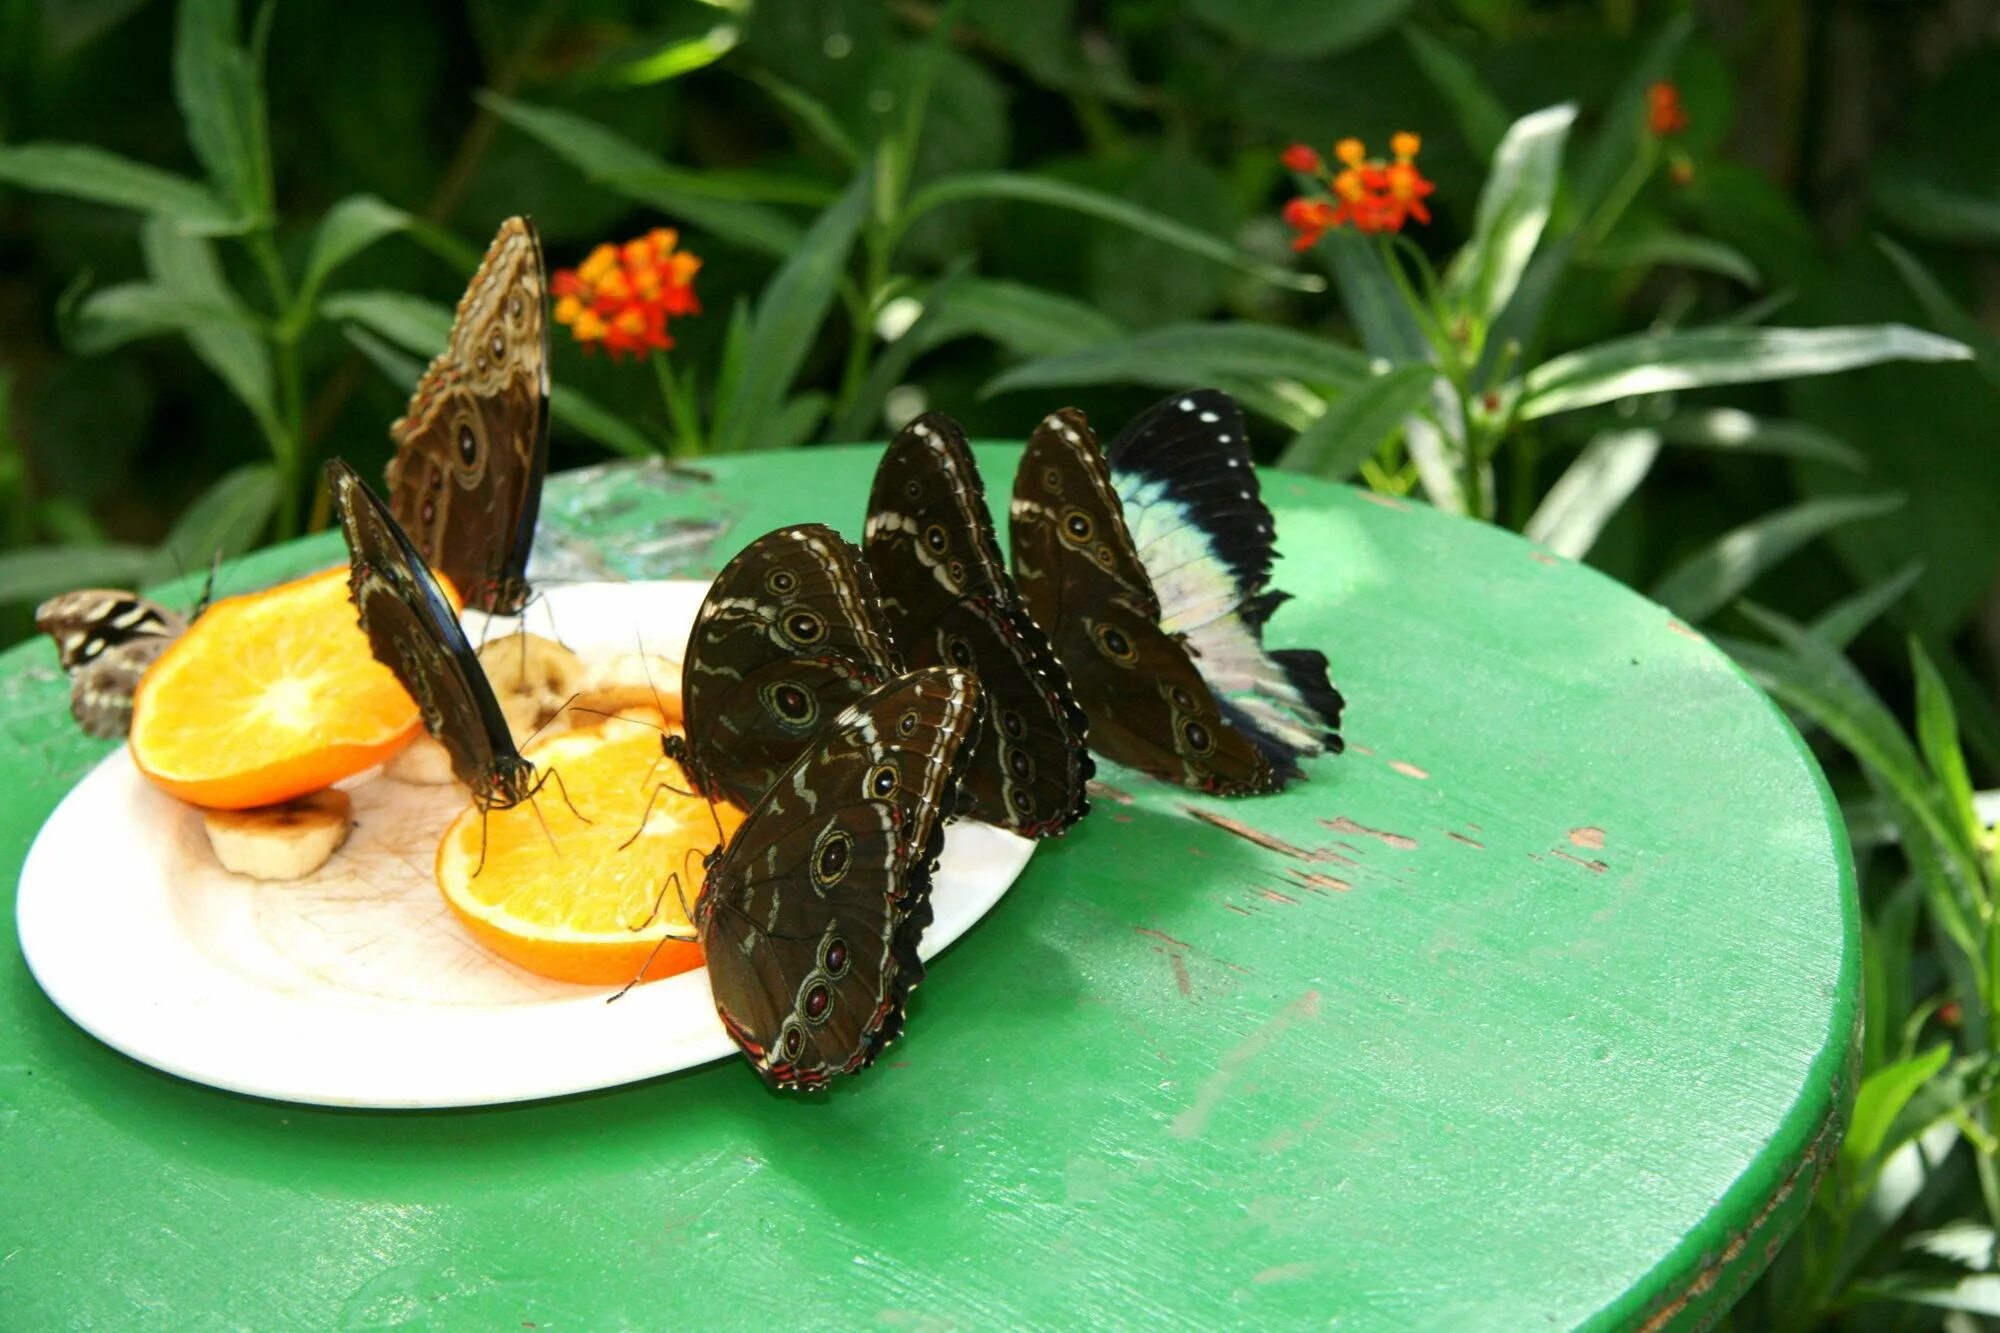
<point>357,987</point>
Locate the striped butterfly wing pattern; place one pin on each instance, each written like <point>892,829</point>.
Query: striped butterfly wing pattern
<point>473,445</point>
<point>105,639</point>
<point>414,631</point>
<point>790,633</point>
<point>810,920</point>
<point>1152,560</point>
<point>950,602</point>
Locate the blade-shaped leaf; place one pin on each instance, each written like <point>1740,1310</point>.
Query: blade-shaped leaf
<point>1372,299</point>
<point>217,86</point>
<point>1709,580</point>
<point>979,186</point>
<point>1673,249</point>
<point>34,572</point>
<point>615,162</point>
<point>1622,132</point>
<point>1591,490</point>
<point>1881,1098</point>
<point>1513,209</point>
<point>224,520</point>
<point>812,113</point>
<point>349,227</point>
<point>1481,119</point>
<point>1357,423</point>
<point>1731,430</point>
<point>410,322</point>
<point>789,313</point>
<point>1950,318</point>
<point>1301,30</point>
<point>82,172</point>
<point>1180,355</point>
<point>1937,737</point>
<point>186,265</point>
<point>587,417</point>
<point>117,315</point>
<point>1436,444</point>
<point>400,370</point>
<point>1843,622</point>
<point>1665,362</point>
<point>1975,1293</point>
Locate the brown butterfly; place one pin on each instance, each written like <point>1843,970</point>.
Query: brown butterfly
<point>105,639</point>
<point>472,448</point>
<point>949,600</point>
<point>1148,562</point>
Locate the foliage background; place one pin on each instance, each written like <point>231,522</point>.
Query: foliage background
<point>1817,131</point>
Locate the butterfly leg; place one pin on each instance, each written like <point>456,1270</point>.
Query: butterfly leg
<point>552,773</point>
<point>673,881</point>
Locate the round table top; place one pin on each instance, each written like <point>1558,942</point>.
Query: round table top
<point>1538,1005</point>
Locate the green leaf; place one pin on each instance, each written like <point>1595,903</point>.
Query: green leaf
<point>1706,582</point>
<point>186,266</point>
<point>1481,119</point>
<point>1673,249</point>
<point>1183,354</point>
<point>1977,1293</point>
<point>809,111</point>
<point>349,227</point>
<point>789,314</point>
<point>1357,423</point>
<point>1731,430</point>
<point>34,572</point>
<point>974,186</point>
<point>224,520</point>
<point>1666,362</point>
<point>588,418</point>
<point>401,371</point>
<point>615,162</point>
<point>129,311</point>
<point>671,59</point>
<point>410,322</point>
<point>81,172</point>
<point>1513,210</point>
<point>1946,314</point>
<point>762,187</point>
<point>1937,737</point>
<point>1372,300</point>
<point>1933,211</point>
<point>795,422</point>
<point>1622,133</point>
<point>1843,622</point>
<point>1301,29</point>
<point>1591,490</point>
<point>217,85</point>
<point>1881,1099</point>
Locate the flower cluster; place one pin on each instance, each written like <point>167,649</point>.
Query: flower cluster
<point>1663,110</point>
<point>1370,194</point>
<point>622,295</point>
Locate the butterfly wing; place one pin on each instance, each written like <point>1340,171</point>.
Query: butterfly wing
<point>810,921</point>
<point>1199,524</point>
<point>1079,572</point>
<point>473,446</point>
<point>950,602</point>
<point>789,634</point>
<point>105,639</point>
<point>413,630</point>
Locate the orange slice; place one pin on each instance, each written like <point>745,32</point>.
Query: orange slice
<point>571,903</point>
<point>269,696</point>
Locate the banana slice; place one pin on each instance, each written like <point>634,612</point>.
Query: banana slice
<point>531,667</point>
<point>421,763</point>
<point>525,715</point>
<point>630,680</point>
<point>287,841</point>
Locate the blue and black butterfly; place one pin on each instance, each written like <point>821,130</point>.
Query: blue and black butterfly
<point>1149,562</point>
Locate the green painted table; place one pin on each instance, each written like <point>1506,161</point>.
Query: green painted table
<point>1537,1007</point>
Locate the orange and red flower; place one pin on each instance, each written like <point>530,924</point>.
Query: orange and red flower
<point>1664,115</point>
<point>621,296</point>
<point>1367,193</point>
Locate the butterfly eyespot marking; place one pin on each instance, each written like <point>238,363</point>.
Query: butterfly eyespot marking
<point>1011,723</point>
<point>792,1040</point>
<point>955,571</point>
<point>1018,764</point>
<point>498,347</point>
<point>791,703</point>
<point>782,582</point>
<point>1023,803</point>
<point>437,481</point>
<point>1114,643</point>
<point>468,446</point>
<point>818,1000</point>
<point>934,537</point>
<point>1076,527</point>
<point>1197,737</point>
<point>1181,698</point>
<point>1102,555</point>
<point>833,958</point>
<point>881,781</point>
<point>907,724</point>
<point>429,512</point>
<point>959,651</point>
<point>830,858</point>
<point>913,489</point>
<point>514,306</point>
<point>1051,479</point>
<point>804,627</point>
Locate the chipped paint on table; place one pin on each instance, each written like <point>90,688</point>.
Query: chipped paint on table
<point>1536,1007</point>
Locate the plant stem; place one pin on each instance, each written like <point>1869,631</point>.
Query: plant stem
<point>687,438</point>
<point>288,439</point>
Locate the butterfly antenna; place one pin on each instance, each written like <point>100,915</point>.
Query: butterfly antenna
<point>552,716</point>
<point>208,588</point>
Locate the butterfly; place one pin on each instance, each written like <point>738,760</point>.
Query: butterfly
<point>414,631</point>
<point>790,633</point>
<point>810,920</point>
<point>473,445</point>
<point>1149,563</point>
<point>949,602</point>
<point>105,639</point>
